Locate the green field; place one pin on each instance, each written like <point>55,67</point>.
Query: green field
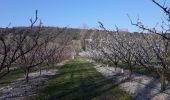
<point>78,80</point>
<point>10,77</point>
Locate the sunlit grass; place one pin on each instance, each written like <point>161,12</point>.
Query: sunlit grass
<point>78,80</point>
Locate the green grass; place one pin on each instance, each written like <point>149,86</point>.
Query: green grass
<point>137,69</point>
<point>12,76</point>
<point>78,80</point>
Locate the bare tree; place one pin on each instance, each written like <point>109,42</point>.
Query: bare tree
<point>11,42</point>
<point>123,46</point>
<point>83,36</point>
<point>157,50</point>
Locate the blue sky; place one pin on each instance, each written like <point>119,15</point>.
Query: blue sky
<point>75,13</point>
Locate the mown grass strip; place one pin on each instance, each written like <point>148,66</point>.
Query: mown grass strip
<point>78,80</point>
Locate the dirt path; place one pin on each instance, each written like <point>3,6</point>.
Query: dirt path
<point>141,87</point>
<point>19,89</point>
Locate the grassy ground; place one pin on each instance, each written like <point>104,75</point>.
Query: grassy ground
<point>78,80</point>
<point>136,69</point>
<point>12,76</point>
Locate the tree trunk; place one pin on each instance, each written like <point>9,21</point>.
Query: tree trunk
<point>27,72</point>
<point>40,71</point>
<point>130,71</point>
<point>8,69</point>
<point>162,81</point>
<point>116,65</point>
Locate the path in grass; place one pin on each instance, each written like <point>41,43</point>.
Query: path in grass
<point>78,80</point>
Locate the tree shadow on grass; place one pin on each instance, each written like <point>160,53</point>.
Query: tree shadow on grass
<point>79,81</point>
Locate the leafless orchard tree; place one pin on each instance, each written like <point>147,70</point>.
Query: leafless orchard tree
<point>56,49</point>
<point>11,42</point>
<point>155,52</point>
<point>83,36</point>
<point>45,50</point>
<point>149,49</point>
<point>30,47</point>
<point>31,50</point>
<point>97,45</point>
<point>111,54</point>
<point>121,47</point>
